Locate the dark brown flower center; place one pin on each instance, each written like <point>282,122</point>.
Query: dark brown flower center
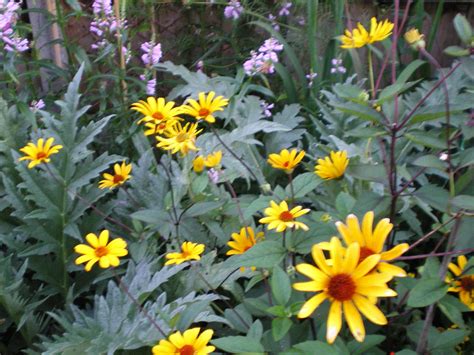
<point>286,216</point>
<point>467,283</point>
<point>181,137</point>
<point>204,112</point>
<point>101,251</point>
<point>118,179</point>
<point>157,116</point>
<point>341,287</point>
<point>41,155</point>
<point>187,350</point>
<point>364,253</point>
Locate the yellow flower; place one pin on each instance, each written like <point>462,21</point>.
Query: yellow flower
<point>372,241</point>
<point>158,128</point>
<point>100,250</point>
<point>188,343</point>
<point>121,174</point>
<point>347,285</point>
<point>243,241</point>
<point>415,39</point>
<point>156,110</point>
<point>359,36</point>
<point>286,160</point>
<point>206,106</point>
<point>198,164</point>
<point>280,217</point>
<point>464,285</point>
<point>213,160</point>
<point>179,138</point>
<point>332,167</point>
<point>189,251</point>
<point>39,153</point>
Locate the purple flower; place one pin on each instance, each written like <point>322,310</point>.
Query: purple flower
<point>151,53</point>
<point>271,45</point>
<point>337,66</point>
<point>266,107</point>
<point>8,18</point>
<point>35,106</point>
<point>285,9</point>
<point>233,9</point>
<point>263,61</point>
<point>200,66</point>
<point>275,25</point>
<point>150,85</point>
<point>213,175</point>
<point>105,24</point>
<point>311,76</point>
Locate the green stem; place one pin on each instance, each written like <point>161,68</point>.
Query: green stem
<point>371,73</point>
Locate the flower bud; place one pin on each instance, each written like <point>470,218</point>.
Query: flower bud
<point>415,39</point>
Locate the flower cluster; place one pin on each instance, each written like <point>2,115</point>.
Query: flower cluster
<point>233,10</point>
<point>37,105</point>
<point>8,18</point>
<point>105,24</point>
<point>285,9</point>
<point>311,76</point>
<point>151,53</point>
<point>337,66</point>
<point>263,61</point>
<point>162,120</point>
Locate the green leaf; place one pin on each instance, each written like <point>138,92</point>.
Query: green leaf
<point>463,29</point>
<point>265,254</point>
<point>430,161</point>
<point>463,201</point>
<point>456,51</point>
<point>316,347</point>
<point>426,292</point>
<point>434,196</point>
<point>152,216</point>
<point>433,112</point>
<point>304,184</point>
<point>238,344</point>
<point>370,341</point>
<point>345,203</point>
<point>368,172</point>
<point>202,208</point>
<point>281,285</point>
<point>449,339</point>
<point>409,70</point>
<point>363,112</point>
<point>200,183</point>
<point>280,326</point>
<point>453,308</point>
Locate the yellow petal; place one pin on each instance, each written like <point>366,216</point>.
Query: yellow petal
<point>354,320</point>
<point>369,310</point>
<point>394,252</point>
<point>334,321</point>
<point>310,305</point>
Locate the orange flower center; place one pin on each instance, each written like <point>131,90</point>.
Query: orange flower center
<point>187,350</point>
<point>157,116</point>
<point>204,112</point>
<point>467,283</point>
<point>41,155</point>
<point>341,287</point>
<point>161,126</point>
<point>180,138</point>
<point>118,179</point>
<point>286,163</point>
<point>101,251</point>
<point>286,216</point>
<point>364,253</point>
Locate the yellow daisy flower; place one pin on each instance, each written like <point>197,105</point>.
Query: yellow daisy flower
<point>213,159</point>
<point>121,174</point>
<point>372,241</point>
<point>286,160</point>
<point>464,285</point>
<point>189,251</point>
<point>206,106</point>
<point>243,241</point>
<point>280,217</point>
<point>39,153</point>
<point>349,287</point>
<point>152,128</point>
<point>198,164</point>
<point>100,250</point>
<point>332,167</point>
<point>414,38</point>
<point>188,343</point>
<point>157,110</point>
<point>359,36</point>
<point>179,139</point>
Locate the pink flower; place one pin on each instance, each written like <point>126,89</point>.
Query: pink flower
<point>151,53</point>
<point>233,9</point>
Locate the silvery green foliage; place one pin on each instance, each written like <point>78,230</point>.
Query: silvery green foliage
<point>114,322</point>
